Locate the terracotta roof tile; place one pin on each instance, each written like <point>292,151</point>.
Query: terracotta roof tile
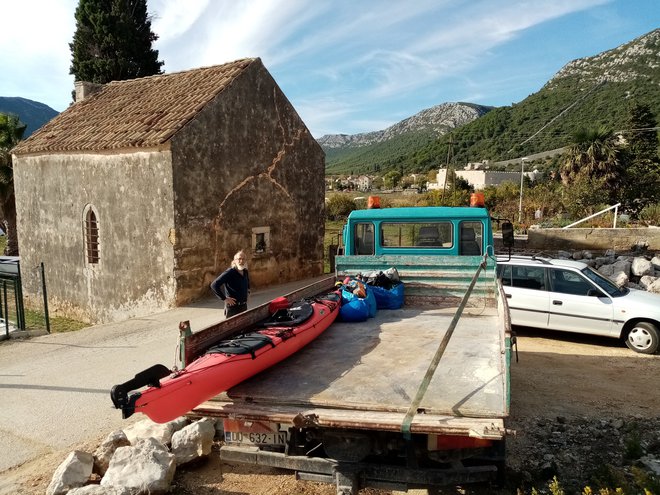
<point>143,112</point>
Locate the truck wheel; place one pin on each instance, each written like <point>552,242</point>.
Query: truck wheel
<point>643,337</point>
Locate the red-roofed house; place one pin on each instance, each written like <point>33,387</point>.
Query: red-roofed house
<point>138,195</point>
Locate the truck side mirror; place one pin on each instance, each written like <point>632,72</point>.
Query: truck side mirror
<point>507,234</point>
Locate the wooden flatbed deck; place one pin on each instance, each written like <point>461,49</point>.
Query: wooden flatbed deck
<point>365,375</point>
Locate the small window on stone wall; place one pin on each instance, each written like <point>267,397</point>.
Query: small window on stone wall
<point>91,236</point>
<point>260,240</point>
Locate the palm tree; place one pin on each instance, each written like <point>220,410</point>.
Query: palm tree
<point>11,132</point>
<point>594,155</point>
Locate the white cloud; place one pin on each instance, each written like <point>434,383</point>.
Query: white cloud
<point>34,50</point>
<point>343,64</point>
<point>172,19</point>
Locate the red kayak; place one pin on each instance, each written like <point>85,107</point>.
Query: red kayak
<point>172,394</point>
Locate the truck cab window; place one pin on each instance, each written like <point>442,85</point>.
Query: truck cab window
<point>471,235</point>
<point>364,238</point>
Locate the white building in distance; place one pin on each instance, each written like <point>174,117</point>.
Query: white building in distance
<point>479,178</point>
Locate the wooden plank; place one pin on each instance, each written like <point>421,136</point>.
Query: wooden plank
<point>491,428</point>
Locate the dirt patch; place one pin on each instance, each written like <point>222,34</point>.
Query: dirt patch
<point>573,400</point>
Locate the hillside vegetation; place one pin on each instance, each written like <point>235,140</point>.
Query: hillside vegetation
<point>32,113</point>
<point>587,93</point>
<point>373,152</point>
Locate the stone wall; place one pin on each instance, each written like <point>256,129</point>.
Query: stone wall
<point>134,274</point>
<point>620,239</point>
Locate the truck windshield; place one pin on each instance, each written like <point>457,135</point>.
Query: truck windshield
<point>604,283</point>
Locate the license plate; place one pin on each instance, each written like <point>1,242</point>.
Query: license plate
<point>253,433</point>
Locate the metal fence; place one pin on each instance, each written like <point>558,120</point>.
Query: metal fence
<point>12,312</point>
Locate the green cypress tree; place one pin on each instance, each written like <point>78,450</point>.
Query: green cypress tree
<point>641,186</point>
<point>11,132</point>
<point>642,133</point>
<point>113,41</point>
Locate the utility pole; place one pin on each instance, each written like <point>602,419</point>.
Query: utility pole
<point>522,175</point>
<point>450,157</point>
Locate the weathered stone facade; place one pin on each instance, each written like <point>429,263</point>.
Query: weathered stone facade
<point>176,192</point>
<point>132,194</point>
<point>260,168</point>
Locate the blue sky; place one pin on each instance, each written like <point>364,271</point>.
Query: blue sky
<point>347,66</point>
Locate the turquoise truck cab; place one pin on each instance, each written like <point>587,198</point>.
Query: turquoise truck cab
<point>431,230</point>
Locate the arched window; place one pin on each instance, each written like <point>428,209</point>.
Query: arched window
<point>91,236</point>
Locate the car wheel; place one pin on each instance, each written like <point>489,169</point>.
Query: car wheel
<point>643,337</point>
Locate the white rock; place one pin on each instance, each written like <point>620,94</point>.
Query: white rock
<point>147,428</point>
<point>106,450</point>
<point>146,468</point>
<point>641,266</point>
<point>620,279</point>
<point>622,265</point>
<point>654,287</point>
<point>655,261</point>
<point>193,441</point>
<point>646,281</point>
<point>73,472</point>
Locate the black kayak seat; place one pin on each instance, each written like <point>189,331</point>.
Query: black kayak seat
<point>290,317</point>
<point>248,343</point>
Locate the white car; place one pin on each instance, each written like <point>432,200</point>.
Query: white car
<point>571,296</point>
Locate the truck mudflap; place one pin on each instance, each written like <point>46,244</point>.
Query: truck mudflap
<point>349,477</point>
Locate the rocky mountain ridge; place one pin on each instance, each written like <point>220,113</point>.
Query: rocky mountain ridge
<point>596,91</point>
<point>437,120</point>
<point>634,60</point>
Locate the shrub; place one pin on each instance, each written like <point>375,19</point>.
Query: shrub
<point>650,214</point>
<point>338,207</point>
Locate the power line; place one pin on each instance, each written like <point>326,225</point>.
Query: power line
<point>561,113</point>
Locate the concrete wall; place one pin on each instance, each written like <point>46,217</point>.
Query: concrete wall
<point>247,162</point>
<point>132,196</point>
<point>479,179</point>
<point>594,239</point>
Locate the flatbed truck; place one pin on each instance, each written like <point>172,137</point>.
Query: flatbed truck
<point>415,397</point>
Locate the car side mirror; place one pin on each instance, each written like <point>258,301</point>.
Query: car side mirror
<point>594,292</point>
<point>507,234</point>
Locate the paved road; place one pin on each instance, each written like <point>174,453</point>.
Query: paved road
<point>55,389</point>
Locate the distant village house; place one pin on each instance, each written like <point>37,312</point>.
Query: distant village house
<point>480,177</point>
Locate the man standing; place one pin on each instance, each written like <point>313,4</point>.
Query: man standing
<point>233,286</point>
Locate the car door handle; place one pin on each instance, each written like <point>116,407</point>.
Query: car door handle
<point>508,296</point>
<point>557,302</point>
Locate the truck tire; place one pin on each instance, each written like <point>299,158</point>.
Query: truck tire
<point>643,337</point>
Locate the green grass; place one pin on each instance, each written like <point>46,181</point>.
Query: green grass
<point>36,320</point>
<point>332,231</point>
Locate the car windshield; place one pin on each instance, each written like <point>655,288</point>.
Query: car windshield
<point>604,283</point>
